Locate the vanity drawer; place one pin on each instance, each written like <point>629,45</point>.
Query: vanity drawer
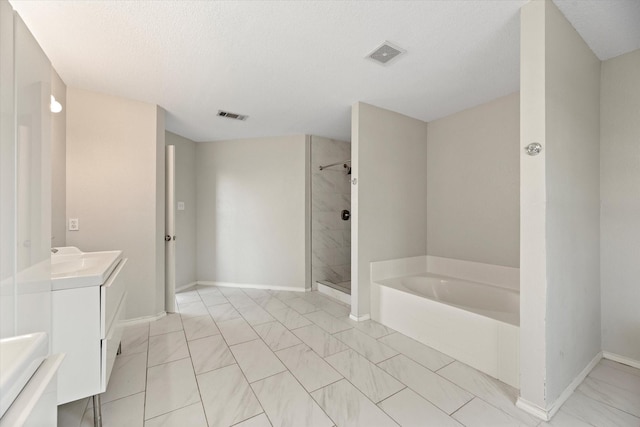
<point>109,345</point>
<point>111,293</point>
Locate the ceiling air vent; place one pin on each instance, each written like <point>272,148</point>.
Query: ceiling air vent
<point>386,53</point>
<point>233,116</point>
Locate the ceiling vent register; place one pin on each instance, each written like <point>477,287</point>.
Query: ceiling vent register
<point>386,53</point>
<point>233,116</point>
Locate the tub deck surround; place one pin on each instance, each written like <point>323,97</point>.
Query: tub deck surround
<point>298,374</point>
<point>473,322</point>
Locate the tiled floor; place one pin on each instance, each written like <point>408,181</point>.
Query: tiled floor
<point>255,358</point>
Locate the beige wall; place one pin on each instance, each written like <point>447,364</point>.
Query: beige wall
<point>560,289</point>
<point>115,182</point>
<point>251,211</point>
<point>58,163</point>
<point>185,191</point>
<point>620,194</point>
<point>389,202</point>
<point>473,184</point>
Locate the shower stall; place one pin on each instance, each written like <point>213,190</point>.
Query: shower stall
<point>331,214</point>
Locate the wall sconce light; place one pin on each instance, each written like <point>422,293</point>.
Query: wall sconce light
<point>55,106</point>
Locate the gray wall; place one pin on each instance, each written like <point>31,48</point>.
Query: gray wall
<point>620,194</point>
<point>251,211</point>
<point>389,202</point>
<point>559,263</point>
<point>185,191</point>
<point>330,194</point>
<point>58,163</point>
<point>115,187</point>
<point>473,184</point>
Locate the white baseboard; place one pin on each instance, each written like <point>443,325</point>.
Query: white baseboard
<point>621,359</point>
<point>143,319</point>
<point>250,286</point>
<point>360,318</point>
<point>187,286</point>
<point>547,414</point>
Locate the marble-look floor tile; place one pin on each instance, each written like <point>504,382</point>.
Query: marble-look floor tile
<point>370,348</point>
<point>128,411</point>
<point>369,327</point>
<point>290,318</point>
<point>320,341</point>
<point>492,391</point>
<point>284,295</point>
<point>256,360</point>
<point>199,327</point>
<point>257,293</point>
<point>257,421</point>
<point>167,348</point>
<point>211,299</point>
<point>616,377</point>
<point>192,309</point>
<point>597,413</point>
<point>348,407</point>
<point>367,377</point>
<point>187,296</point>
<point>418,352</point>
<point>229,292</point>
<point>301,306</point>
<point>437,390</point>
<point>207,289</point>
<point>237,331</point>
<point>271,304</point>
<point>333,308</point>
<point>223,312</point>
<point>210,353</point>
<point>562,419</point>
<point>239,301</point>
<point>626,368</point>
<point>276,336</point>
<point>479,413</point>
<point>611,395</point>
<point>189,416</point>
<point>255,315</point>
<point>227,397</point>
<point>128,376</point>
<point>170,386</point>
<point>327,322</point>
<point>170,323</point>
<point>311,370</point>
<point>408,409</point>
<point>299,409</point>
<point>135,339</point>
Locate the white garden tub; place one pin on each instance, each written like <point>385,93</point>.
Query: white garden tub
<point>475,323</point>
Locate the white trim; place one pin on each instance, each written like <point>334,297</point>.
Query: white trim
<point>250,286</point>
<point>547,414</point>
<point>533,409</point>
<point>334,293</point>
<point>359,318</point>
<point>621,359</point>
<point>143,319</point>
<point>187,286</point>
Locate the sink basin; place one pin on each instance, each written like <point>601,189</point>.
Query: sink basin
<point>20,357</point>
<point>72,268</point>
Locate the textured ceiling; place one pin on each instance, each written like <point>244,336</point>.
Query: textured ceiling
<point>298,66</point>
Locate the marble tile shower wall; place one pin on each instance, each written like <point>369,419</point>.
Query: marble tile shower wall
<point>330,194</point>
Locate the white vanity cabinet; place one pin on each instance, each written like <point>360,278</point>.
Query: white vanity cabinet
<point>87,327</point>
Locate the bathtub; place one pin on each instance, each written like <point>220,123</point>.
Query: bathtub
<point>475,323</point>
